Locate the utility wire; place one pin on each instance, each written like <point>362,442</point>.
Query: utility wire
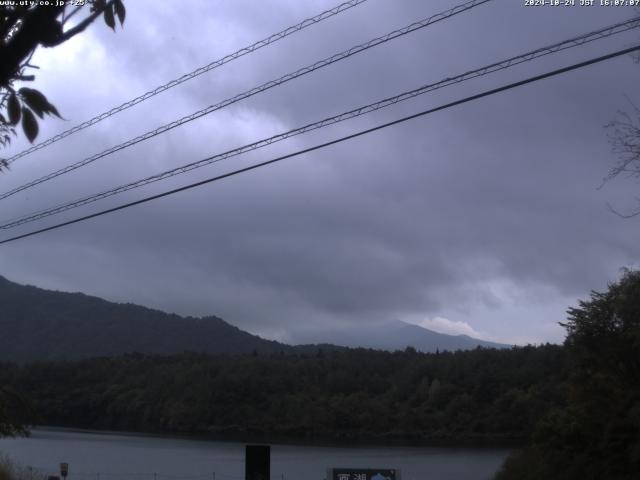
<point>265,86</point>
<point>332,142</point>
<point>525,57</point>
<point>188,76</point>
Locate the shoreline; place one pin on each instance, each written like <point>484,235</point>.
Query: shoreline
<point>315,441</point>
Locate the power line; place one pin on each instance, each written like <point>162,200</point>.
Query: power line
<point>259,89</point>
<point>525,57</point>
<point>188,76</point>
<point>332,142</point>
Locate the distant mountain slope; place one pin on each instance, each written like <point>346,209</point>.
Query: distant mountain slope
<point>37,324</point>
<point>398,335</point>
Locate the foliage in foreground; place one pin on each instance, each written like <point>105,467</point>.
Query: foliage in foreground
<point>597,434</point>
<point>25,26</point>
<point>9,470</point>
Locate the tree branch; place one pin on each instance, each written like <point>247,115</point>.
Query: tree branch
<point>38,27</point>
<point>82,25</point>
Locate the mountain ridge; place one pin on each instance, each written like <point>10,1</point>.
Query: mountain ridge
<point>40,325</point>
<point>397,335</point>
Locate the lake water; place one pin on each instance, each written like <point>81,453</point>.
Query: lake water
<point>104,456</point>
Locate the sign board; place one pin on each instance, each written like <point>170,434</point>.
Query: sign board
<point>257,464</point>
<point>363,474</point>
<point>64,469</point>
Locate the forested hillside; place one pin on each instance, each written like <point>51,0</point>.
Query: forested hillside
<point>37,324</point>
<point>475,396</point>
<point>595,433</point>
<point>577,405</point>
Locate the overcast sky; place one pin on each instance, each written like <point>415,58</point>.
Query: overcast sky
<point>484,219</point>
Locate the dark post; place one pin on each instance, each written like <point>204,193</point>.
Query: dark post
<point>257,465</point>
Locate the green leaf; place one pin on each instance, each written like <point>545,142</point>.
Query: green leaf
<point>121,12</point>
<point>37,102</point>
<point>53,110</point>
<point>29,124</point>
<point>97,5</point>
<point>13,109</point>
<point>108,17</point>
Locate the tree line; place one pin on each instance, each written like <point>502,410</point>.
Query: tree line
<point>480,395</point>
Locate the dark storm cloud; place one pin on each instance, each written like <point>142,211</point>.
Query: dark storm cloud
<point>459,214</point>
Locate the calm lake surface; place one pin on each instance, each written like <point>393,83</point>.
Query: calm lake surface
<point>105,456</point>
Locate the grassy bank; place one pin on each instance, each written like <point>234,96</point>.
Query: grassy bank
<point>10,470</point>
